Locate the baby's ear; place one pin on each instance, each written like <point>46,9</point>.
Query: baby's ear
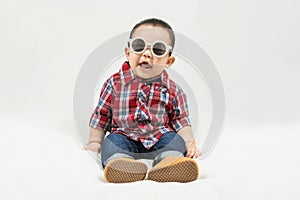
<point>170,61</point>
<point>127,51</point>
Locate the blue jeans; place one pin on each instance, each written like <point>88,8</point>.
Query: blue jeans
<point>119,146</point>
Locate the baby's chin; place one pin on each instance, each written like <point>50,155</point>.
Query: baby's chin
<point>143,75</point>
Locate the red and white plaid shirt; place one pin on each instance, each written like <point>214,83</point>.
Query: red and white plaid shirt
<point>143,110</point>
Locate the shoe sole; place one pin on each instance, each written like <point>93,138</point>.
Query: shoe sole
<point>123,170</point>
<point>182,170</point>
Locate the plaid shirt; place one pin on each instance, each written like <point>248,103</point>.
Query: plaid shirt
<point>143,110</point>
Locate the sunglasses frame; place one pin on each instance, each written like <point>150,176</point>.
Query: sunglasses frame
<point>168,48</point>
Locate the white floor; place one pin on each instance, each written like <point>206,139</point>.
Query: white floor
<point>42,159</point>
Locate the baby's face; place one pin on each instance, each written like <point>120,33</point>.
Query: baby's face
<point>146,64</point>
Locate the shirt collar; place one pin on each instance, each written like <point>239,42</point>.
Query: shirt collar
<point>128,76</point>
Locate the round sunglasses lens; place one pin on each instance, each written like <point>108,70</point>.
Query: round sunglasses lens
<point>138,45</point>
<point>159,48</point>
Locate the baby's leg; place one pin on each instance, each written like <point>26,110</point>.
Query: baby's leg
<point>170,165</point>
<point>117,155</point>
<point>116,146</point>
<point>170,144</point>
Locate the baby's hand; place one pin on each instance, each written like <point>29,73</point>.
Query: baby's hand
<point>191,150</point>
<point>93,146</point>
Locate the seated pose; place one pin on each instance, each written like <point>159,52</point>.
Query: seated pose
<point>145,113</point>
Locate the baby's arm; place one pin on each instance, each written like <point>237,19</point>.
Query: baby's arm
<point>95,139</point>
<point>101,118</point>
<point>191,149</point>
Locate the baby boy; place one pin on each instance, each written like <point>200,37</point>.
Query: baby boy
<point>145,113</point>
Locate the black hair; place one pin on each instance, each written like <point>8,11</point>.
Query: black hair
<point>158,23</point>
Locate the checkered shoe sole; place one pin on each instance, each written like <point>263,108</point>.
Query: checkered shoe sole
<point>179,170</point>
<point>125,170</point>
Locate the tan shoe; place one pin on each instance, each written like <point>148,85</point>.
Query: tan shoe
<point>125,170</point>
<point>175,169</point>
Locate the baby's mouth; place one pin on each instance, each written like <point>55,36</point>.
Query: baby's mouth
<point>145,65</point>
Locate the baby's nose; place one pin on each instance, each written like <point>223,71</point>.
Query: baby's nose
<point>147,53</point>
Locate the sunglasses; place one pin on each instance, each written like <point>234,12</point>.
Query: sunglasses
<point>158,48</point>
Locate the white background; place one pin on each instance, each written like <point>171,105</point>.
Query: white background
<point>254,44</point>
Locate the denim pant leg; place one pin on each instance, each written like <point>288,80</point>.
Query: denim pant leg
<point>170,144</point>
<point>117,146</point>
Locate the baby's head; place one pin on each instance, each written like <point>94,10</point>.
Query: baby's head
<point>150,47</point>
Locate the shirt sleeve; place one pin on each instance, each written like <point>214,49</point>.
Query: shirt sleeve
<point>102,115</point>
<point>179,117</point>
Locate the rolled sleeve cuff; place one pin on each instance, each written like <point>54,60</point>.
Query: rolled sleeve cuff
<point>98,121</point>
<point>180,123</point>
